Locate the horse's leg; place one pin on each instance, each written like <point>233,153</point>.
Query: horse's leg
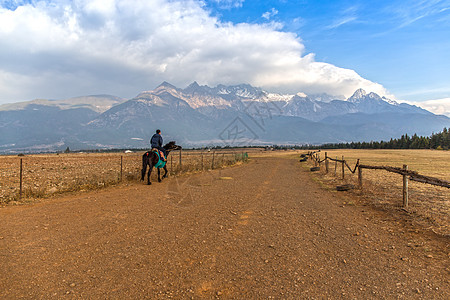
<point>165,172</point>
<point>159,173</point>
<point>144,166</point>
<point>149,174</point>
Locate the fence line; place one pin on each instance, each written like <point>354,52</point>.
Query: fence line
<point>407,174</point>
<point>41,175</point>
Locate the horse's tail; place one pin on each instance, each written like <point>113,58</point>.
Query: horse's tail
<point>144,164</point>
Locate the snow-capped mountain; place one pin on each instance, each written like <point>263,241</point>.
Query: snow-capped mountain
<point>203,115</point>
<point>208,100</point>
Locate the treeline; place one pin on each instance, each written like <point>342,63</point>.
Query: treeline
<point>439,141</point>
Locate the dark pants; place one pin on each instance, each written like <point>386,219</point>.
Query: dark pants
<point>163,151</point>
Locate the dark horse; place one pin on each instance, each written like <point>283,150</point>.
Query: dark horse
<point>150,158</point>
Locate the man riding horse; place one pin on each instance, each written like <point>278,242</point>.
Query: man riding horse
<point>157,157</point>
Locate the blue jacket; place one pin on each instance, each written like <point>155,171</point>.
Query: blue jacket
<point>156,141</point>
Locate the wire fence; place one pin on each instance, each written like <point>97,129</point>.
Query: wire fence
<point>426,196</point>
<point>407,174</point>
<point>35,176</point>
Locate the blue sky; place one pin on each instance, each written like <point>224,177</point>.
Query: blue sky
<point>402,44</point>
<point>60,48</point>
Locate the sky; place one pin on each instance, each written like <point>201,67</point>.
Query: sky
<point>57,49</point>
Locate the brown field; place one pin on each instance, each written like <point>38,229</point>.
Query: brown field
<point>429,204</point>
<point>49,174</point>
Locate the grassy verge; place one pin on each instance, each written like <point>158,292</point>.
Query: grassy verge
<point>428,204</point>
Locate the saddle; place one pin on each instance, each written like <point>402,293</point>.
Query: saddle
<point>160,154</point>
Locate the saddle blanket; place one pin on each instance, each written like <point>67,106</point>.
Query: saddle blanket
<point>162,160</point>
<point>160,154</point>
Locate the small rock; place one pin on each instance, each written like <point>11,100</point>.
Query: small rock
<point>429,256</point>
<point>72,284</point>
<point>219,293</point>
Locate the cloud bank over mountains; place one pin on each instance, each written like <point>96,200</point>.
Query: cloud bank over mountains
<point>57,49</point>
<point>438,106</point>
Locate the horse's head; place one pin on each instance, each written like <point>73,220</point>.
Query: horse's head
<point>172,146</point>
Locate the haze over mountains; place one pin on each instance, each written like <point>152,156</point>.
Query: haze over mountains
<point>204,116</point>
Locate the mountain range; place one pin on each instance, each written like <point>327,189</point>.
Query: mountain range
<point>206,116</point>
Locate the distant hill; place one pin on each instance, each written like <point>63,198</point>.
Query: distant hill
<point>97,103</point>
<point>201,115</point>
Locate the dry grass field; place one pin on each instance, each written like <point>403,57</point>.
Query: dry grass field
<point>429,204</point>
<point>49,174</point>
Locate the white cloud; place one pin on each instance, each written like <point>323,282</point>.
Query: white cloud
<point>340,22</point>
<point>269,14</point>
<point>413,11</point>
<point>438,106</point>
<point>70,48</point>
<point>227,4</point>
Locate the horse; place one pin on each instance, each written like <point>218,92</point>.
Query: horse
<point>151,158</point>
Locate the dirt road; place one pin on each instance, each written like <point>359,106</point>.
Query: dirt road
<point>260,230</point>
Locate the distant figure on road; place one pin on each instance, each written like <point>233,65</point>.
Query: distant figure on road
<point>157,142</point>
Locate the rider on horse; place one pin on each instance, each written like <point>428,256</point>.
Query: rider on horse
<point>153,158</point>
<point>157,142</point>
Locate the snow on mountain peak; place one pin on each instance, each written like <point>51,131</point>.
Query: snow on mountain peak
<point>358,94</point>
<point>374,96</point>
<point>278,97</point>
<point>361,95</point>
<point>390,101</point>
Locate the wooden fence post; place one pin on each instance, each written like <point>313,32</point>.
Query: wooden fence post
<point>343,165</point>
<point>171,165</point>
<point>326,163</point>
<point>335,166</point>
<point>202,160</point>
<point>212,162</point>
<point>180,160</point>
<point>360,177</point>
<point>20,184</point>
<point>121,167</point>
<point>405,187</point>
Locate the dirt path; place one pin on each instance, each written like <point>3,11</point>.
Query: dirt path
<point>262,230</point>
